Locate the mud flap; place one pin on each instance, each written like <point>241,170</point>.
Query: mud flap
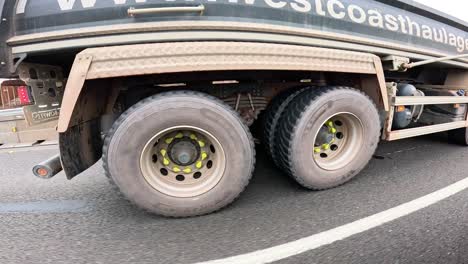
<point>80,147</point>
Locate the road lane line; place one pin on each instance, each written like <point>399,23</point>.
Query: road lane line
<point>28,149</point>
<point>63,206</point>
<point>302,245</point>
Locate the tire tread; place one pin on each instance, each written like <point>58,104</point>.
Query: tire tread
<point>272,118</point>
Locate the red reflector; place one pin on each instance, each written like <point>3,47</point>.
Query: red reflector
<point>42,172</point>
<point>23,95</point>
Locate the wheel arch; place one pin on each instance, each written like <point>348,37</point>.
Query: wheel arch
<point>157,58</point>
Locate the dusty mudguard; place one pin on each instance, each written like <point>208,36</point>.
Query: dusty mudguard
<point>108,62</point>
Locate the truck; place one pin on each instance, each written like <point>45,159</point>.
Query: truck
<point>165,91</point>
<point>15,131</point>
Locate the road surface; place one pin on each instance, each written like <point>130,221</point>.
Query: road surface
<point>87,221</point>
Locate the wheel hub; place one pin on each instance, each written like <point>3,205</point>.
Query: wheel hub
<point>184,151</point>
<point>324,136</point>
<point>183,161</point>
<point>337,141</point>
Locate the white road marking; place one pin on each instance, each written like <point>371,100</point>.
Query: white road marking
<point>28,148</point>
<point>302,245</point>
<point>55,206</point>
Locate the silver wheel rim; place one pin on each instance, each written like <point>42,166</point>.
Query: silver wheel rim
<point>338,141</point>
<point>183,161</point>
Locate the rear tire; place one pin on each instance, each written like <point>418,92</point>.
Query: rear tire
<point>180,154</point>
<point>459,136</point>
<point>327,136</point>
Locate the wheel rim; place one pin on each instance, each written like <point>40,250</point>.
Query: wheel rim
<point>338,141</point>
<point>183,161</point>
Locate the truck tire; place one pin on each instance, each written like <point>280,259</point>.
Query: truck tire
<point>459,136</point>
<point>327,136</point>
<point>272,116</point>
<point>180,154</point>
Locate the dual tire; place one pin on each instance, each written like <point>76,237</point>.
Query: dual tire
<point>325,135</point>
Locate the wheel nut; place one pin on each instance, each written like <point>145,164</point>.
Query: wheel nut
<point>163,152</point>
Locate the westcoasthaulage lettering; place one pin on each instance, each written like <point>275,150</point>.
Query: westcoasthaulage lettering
<point>332,8</point>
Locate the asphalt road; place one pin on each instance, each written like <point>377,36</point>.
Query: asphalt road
<point>86,221</point>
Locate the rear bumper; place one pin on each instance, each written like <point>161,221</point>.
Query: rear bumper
<point>15,129</point>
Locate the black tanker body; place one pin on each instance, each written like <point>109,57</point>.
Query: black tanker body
<point>164,91</point>
<point>403,26</point>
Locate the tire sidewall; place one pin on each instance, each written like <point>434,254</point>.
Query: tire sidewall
<point>137,128</point>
